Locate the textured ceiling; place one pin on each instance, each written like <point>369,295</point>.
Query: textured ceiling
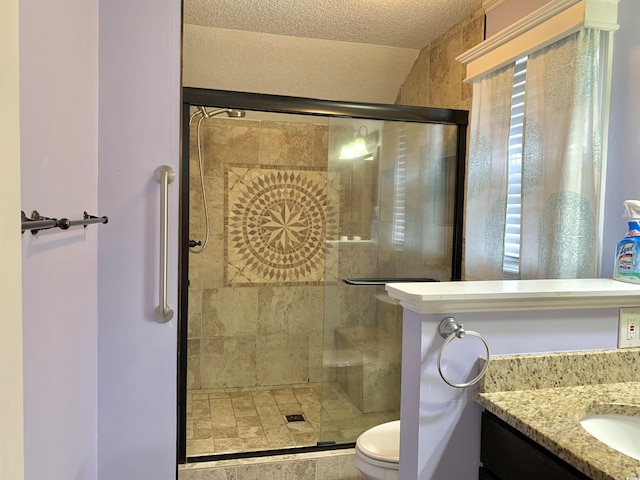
<point>398,23</point>
<point>352,50</point>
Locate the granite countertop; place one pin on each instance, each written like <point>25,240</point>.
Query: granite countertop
<point>544,396</point>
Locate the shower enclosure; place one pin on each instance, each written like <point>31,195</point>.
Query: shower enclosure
<point>287,339</point>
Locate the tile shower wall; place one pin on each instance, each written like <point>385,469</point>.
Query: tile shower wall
<point>253,322</point>
<point>263,325</point>
<point>436,79</point>
<point>426,201</point>
<point>363,329</point>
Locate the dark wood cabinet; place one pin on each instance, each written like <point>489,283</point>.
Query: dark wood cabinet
<point>507,454</point>
<point>486,475</point>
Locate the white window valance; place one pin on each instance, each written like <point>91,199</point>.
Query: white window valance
<point>555,20</point>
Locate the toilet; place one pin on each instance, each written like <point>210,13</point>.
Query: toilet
<point>378,452</point>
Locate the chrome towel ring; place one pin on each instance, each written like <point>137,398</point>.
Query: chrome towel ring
<point>449,329</point>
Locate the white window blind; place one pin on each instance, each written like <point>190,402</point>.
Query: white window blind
<point>511,260</point>
<point>399,197</point>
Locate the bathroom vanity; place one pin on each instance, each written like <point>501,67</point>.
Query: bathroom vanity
<point>533,405</point>
<point>441,425</point>
<point>506,454</point>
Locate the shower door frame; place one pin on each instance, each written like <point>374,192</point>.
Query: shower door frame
<point>193,97</point>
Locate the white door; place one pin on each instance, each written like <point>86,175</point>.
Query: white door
<point>11,413</point>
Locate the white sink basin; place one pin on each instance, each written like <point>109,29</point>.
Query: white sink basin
<point>620,432</point>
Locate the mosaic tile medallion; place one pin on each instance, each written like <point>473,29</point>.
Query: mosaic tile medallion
<point>276,224</point>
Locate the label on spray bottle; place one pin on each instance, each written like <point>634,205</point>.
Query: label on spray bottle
<point>627,263</point>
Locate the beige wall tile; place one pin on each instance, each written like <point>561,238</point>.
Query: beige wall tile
<point>228,361</point>
<point>227,312</point>
<point>300,470</point>
<point>357,259</point>
<point>196,209</point>
<point>321,145</point>
<point>194,378</point>
<point>445,74</point>
<point>283,310</point>
<point>415,90</point>
<point>214,187</point>
<point>211,262</point>
<point>315,355</point>
<point>286,144</point>
<point>337,467</point>
<point>358,305</point>
<point>219,473</point>
<point>472,32</point>
<point>290,352</point>
<point>472,35</point>
<point>381,390</point>
<point>316,308</point>
<point>194,313</point>
<point>205,269</point>
<point>436,79</point>
<point>229,141</point>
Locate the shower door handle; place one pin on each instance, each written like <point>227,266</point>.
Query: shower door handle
<point>384,281</point>
<point>165,175</point>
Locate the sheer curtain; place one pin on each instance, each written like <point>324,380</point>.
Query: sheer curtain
<point>486,197</point>
<point>561,165</point>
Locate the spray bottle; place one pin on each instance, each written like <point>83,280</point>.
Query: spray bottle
<point>627,262</point>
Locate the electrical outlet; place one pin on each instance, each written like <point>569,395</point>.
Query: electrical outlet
<point>628,325</point>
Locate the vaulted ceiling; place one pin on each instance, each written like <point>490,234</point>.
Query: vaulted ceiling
<point>358,50</point>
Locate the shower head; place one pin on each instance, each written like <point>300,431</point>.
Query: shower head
<point>230,112</point>
<point>206,114</point>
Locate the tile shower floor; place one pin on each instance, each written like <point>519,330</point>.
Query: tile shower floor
<point>245,420</point>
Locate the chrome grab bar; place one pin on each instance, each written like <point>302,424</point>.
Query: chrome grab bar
<point>165,175</point>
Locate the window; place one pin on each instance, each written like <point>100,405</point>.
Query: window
<point>511,258</point>
<point>399,197</point>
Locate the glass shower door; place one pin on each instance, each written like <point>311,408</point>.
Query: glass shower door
<point>394,218</point>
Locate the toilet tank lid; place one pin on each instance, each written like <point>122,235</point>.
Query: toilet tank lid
<point>381,442</point>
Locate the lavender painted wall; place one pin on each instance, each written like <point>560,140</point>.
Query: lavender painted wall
<point>59,178</point>
<point>139,118</point>
<point>443,439</point>
<point>623,168</point>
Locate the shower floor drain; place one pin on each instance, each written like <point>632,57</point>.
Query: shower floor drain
<point>295,418</point>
